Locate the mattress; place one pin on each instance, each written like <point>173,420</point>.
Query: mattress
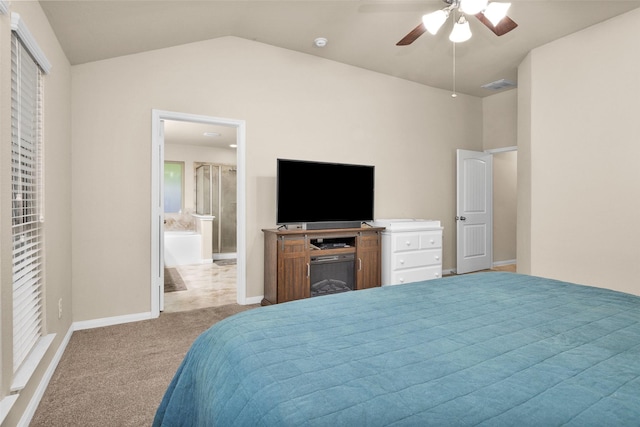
<point>480,349</point>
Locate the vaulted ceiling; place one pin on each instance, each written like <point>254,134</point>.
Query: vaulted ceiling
<point>361,33</point>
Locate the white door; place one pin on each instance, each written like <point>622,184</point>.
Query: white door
<point>157,223</point>
<point>474,214</point>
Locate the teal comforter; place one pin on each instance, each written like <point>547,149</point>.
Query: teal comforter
<point>496,349</point>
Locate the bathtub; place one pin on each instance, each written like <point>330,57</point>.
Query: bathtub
<point>182,248</point>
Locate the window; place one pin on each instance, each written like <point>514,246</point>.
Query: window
<point>29,343</point>
<point>173,186</point>
<point>27,201</point>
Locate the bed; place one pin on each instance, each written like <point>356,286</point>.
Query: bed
<point>480,349</point>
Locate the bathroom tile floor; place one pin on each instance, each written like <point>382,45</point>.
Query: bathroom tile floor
<point>208,285</point>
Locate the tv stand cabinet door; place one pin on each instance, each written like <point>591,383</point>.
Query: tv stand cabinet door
<point>293,269</point>
<point>368,260</point>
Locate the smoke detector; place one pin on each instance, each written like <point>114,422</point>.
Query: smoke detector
<point>320,42</point>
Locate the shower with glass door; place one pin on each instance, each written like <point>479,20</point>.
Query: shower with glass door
<point>216,195</point>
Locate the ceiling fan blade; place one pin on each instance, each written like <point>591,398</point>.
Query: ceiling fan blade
<point>413,35</point>
<point>503,27</point>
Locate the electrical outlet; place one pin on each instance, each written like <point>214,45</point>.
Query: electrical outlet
<point>60,308</point>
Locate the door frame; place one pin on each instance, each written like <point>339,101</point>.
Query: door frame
<point>157,208</point>
<point>491,151</point>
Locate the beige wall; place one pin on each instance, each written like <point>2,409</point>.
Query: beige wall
<point>505,197</point>
<point>523,225</point>
<point>295,106</point>
<point>500,120</point>
<point>57,147</point>
<point>500,130</point>
<point>582,143</point>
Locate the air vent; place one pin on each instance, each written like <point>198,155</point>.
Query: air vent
<point>499,84</point>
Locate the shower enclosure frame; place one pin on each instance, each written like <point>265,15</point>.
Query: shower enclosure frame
<point>207,200</point>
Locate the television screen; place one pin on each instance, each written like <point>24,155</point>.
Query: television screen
<point>309,192</point>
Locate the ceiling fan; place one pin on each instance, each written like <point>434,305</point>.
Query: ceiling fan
<point>491,14</point>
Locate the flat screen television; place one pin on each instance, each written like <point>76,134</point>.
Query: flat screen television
<point>324,195</point>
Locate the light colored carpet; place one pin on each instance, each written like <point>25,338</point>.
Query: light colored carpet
<point>117,375</point>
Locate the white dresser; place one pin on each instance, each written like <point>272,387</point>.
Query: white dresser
<point>411,250</point>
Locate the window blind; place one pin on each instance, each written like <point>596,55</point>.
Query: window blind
<point>27,195</point>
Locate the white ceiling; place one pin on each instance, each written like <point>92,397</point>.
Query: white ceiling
<point>190,133</point>
<point>362,33</point>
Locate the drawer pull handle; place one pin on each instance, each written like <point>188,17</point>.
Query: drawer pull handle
<point>408,243</point>
<point>401,261</point>
<point>401,280</point>
<point>437,257</point>
<point>437,274</point>
<point>432,241</point>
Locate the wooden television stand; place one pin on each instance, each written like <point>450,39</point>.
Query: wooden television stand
<point>288,259</point>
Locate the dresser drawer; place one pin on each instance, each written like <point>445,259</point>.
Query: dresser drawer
<point>416,259</point>
<point>412,242</point>
<point>406,242</point>
<point>431,240</point>
<point>416,275</point>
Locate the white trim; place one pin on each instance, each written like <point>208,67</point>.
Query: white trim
<point>29,41</point>
<point>30,411</point>
<point>506,262</point>
<point>157,142</point>
<point>253,300</point>
<point>30,364</point>
<point>110,321</point>
<point>4,9</point>
<point>501,150</point>
<point>5,405</point>
<point>157,214</point>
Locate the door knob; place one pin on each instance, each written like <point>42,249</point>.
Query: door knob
<point>461,218</point>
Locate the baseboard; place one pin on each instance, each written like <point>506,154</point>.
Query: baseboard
<point>110,321</point>
<point>225,255</point>
<point>452,271</point>
<point>30,411</point>
<point>253,300</point>
<point>501,263</point>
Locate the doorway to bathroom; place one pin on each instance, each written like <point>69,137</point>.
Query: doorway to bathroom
<point>215,272</point>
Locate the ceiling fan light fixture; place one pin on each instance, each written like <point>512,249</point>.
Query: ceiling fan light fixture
<point>433,21</point>
<point>496,12</point>
<point>461,31</point>
<point>473,7</point>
